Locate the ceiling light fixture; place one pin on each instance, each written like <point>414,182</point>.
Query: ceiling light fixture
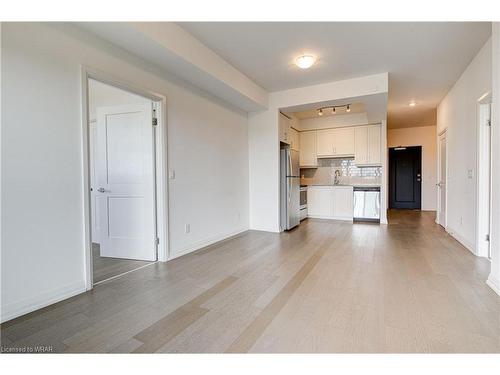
<point>305,61</point>
<point>412,103</point>
<point>334,109</point>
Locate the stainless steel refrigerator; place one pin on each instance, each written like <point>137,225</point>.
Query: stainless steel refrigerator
<point>289,189</point>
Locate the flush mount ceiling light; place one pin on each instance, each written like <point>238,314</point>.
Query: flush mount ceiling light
<point>413,103</point>
<point>334,109</point>
<point>305,61</point>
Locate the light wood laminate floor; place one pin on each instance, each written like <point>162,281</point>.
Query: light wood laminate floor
<point>326,286</point>
<point>105,268</point>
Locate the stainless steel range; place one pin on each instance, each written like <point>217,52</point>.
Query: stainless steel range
<point>303,202</point>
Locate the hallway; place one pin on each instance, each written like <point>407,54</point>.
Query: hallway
<point>326,286</point>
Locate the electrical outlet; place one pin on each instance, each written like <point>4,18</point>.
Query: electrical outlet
<point>187,228</point>
<point>171,174</point>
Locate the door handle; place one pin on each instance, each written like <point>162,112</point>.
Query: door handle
<point>101,190</point>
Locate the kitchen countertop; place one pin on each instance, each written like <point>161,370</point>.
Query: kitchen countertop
<point>353,185</point>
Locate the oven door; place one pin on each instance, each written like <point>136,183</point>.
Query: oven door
<point>303,197</point>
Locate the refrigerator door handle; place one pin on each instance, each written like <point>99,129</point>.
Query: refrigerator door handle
<point>290,172</point>
<point>289,189</point>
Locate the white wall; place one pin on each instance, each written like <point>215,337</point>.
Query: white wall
<point>494,277</point>
<point>457,113</point>
<point>264,142</point>
<point>424,136</point>
<point>102,95</point>
<point>42,189</point>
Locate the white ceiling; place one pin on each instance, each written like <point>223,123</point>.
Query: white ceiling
<point>423,59</point>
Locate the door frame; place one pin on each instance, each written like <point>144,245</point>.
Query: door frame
<point>161,163</point>
<point>483,177</point>
<point>439,156</point>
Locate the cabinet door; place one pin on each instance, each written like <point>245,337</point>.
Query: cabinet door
<point>294,139</point>
<point>320,201</point>
<point>374,143</point>
<point>284,129</point>
<point>361,145</point>
<point>325,142</point>
<point>307,154</point>
<point>342,203</point>
<point>343,142</point>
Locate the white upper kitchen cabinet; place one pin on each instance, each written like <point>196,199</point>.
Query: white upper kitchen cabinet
<point>284,128</point>
<point>367,140</point>
<point>374,144</point>
<point>360,145</point>
<point>324,142</point>
<point>308,156</point>
<point>294,139</point>
<point>335,142</point>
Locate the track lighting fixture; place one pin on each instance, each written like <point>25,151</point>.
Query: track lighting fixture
<point>334,109</point>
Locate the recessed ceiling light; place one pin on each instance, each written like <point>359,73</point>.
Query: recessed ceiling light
<point>320,112</point>
<point>412,103</point>
<point>305,61</point>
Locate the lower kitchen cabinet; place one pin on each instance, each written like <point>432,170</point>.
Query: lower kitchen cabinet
<point>343,202</point>
<point>330,202</point>
<point>320,201</point>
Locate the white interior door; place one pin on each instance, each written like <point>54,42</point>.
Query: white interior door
<point>93,182</point>
<point>125,175</point>
<point>442,180</point>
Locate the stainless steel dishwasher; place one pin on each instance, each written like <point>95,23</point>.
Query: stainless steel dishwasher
<point>366,203</point>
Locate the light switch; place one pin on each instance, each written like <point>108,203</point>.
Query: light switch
<point>171,174</point>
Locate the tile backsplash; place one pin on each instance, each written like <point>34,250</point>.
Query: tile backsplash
<point>349,173</point>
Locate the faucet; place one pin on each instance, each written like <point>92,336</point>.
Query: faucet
<point>337,177</point>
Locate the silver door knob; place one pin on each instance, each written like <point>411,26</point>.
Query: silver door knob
<point>101,190</point>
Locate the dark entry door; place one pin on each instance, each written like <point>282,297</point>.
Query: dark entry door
<point>405,177</point>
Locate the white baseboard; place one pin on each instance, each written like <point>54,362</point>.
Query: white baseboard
<point>469,246</point>
<point>493,284</point>
<point>25,306</point>
<point>265,229</point>
<point>339,218</point>
<point>204,243</point>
